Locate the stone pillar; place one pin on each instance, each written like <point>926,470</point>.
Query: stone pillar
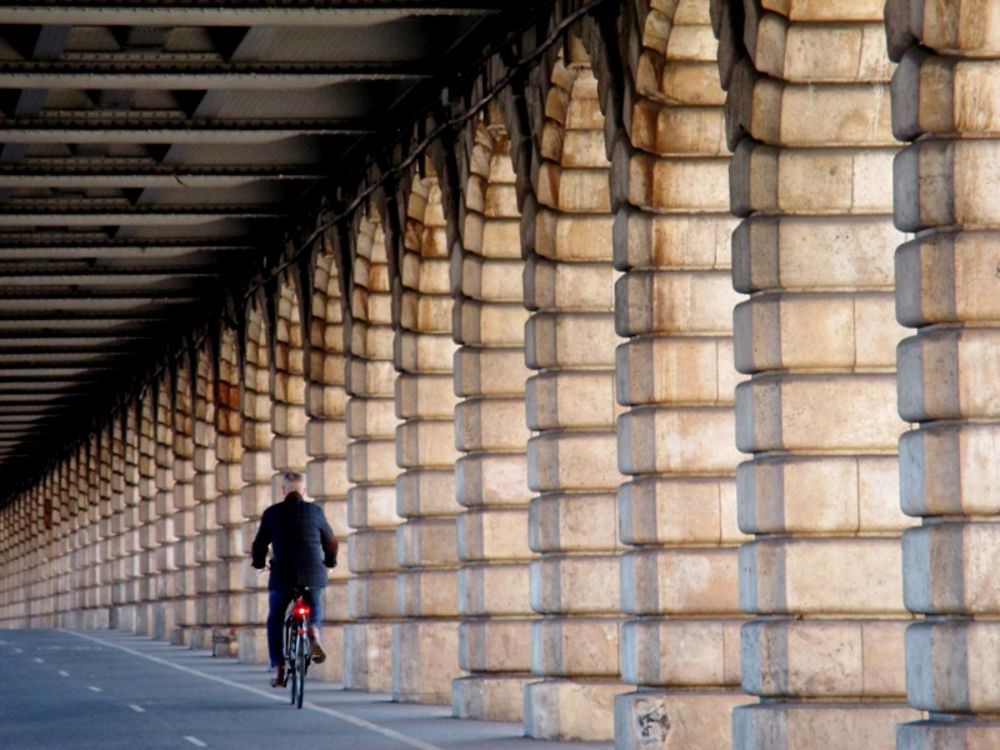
<point>184,502</point>
<point>148,569</point>
<point>106,533</point>
<point>807,115</point>
<point>257,473</point>
<point>490,431</point>
<point>126,596</point>
<point>570,343</point>
<point>945,98</point>
<point>230,586</point>
<point>164,616</point>
<point>326,441</point>
<point>425,645</point>
<point>78,555</point>
<point>119,547</point>
<point>206,526</point>
<point>675,375</point>
<point>371,466</point>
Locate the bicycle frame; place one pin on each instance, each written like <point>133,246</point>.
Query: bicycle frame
<point>298,653</point>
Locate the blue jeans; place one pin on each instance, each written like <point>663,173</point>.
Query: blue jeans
<point>278,601</point>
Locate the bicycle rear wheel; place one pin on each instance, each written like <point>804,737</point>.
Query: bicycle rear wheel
<point>301,648</point>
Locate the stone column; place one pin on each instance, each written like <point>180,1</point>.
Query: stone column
<point>146,591</point>
<point>570,342</point>
<point>490,431</point>
<point>78,555</point>
<point>257,474</point>
<point>164,615</point>
<point>676,376</point>
<point>227,615</point>
<point>425,646</point>
<point>371,466</point>
<point>206,526</point>
<point>118,549</point>
<point>945,98</point>
<point>184,503</point>
<point>808,119</point>
<point>106,533</point>
<point>326,441</point>
<point>126,596</point>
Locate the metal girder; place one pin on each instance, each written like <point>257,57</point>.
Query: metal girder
<point>112,250</point>
<point>130,128</point>
<point>183,75</point>
<point>62,213</point>
<point>108,174</point>
<point>238,12</point>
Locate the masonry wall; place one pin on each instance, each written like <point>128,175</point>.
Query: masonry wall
<point>653,402</point>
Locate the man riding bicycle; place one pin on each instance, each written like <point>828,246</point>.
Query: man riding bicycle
<point>302,543</point>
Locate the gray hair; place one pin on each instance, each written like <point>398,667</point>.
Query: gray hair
<point>293,477</point>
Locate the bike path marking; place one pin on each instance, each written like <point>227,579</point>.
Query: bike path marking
<point>94,688</point>
<point>195,741</point>
<point>63,673</point>
<point>137,709</point>
<point>363,723</point>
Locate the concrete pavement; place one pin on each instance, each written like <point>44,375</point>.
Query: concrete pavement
<point>108,690</point>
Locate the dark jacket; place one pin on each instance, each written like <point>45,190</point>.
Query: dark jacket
<point>302,543</point>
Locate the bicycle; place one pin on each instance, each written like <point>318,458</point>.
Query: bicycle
<point>297,648</point>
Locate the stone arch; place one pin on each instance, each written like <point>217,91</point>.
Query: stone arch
<point>371,466</point>
<point>491,475</point>
<point>808,121</point>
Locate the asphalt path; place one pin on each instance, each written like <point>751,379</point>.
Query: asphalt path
<point>106,690</point>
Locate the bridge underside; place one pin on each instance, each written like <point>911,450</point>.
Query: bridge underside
<point>586,321</point>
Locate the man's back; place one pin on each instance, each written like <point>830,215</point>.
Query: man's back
<point>302,542</point>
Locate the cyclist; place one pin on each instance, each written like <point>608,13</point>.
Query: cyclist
<point>302,543</point>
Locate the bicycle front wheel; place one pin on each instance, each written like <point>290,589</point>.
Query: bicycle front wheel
<point>301,652</point>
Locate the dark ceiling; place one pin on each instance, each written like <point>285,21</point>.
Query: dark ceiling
<point>153,151</point>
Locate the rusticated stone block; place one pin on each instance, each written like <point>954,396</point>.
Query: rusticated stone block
<point>817,494</point>
<point>675,719</point>
<point>423,352</point>
<point>426,443</point>
<point>571,710</point>
<point>587,400</point>
<point>494,589</point>
<point>424,396</point>
<point>785,726</point>
<point>792,576</point>
<point>573,340</point>
<point>575,647</point>
<point>680,581</point>
<point>327,477</point>
<point>489,697</point>
<point>427,593</point>
<point>681,653</point>
<point>426,542</point>
<point>584,585</point>
<point>673,130</point>
<point>488,324</point>
<point>780,412</point>
<point>933,682</point>
<point>824,659</point>
<point>491,424</point>
<point>946,568</point>
<point>951,735</point>
<point>672,183</point>
<point>368,656</point>
<point>570,238</point>
<point>567,286</point>
<point>490,645</point>
<point>372,461</point>
<point>573,461</point>
<point>943,469</point>
<point>494,279</point>
<point>424,661</point>
<point>492,480</point>
<point>572,522</point>
<point>372,596</point>
<point>670,370</point>
<point>372,550</point>
<point>815,331</point>
<point>493,534</point>
<point>678,510</point>
<point>372,505</point>
<point>660,439</point>
<point>645,240</point>
<point>371,417</point>
<point>426,492</point>
<point>491,371</point>
<point>326,438</point>
<point>669,302</point>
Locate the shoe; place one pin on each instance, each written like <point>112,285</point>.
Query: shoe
<point>318,655</point>
<point>279,680</point>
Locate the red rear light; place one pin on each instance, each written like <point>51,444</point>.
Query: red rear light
<point>302,610</point>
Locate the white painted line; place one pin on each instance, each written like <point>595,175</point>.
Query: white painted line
<point>64,673</point>
<point>40,661</point>
<point>281,698</point>
<point>195,741</point>
<point>94,688</point>
<point>137,709</point>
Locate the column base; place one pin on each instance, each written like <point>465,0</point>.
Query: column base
<point>789,726</point>
<point>368,657</point>
<point>252,646</point>
<point>671,720</point>
<point>123,617</point>
<point>948,735</point>
<point>571,709</point>
<point>200,637</point>
<point>424,661</point>
<point>489,697</point>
